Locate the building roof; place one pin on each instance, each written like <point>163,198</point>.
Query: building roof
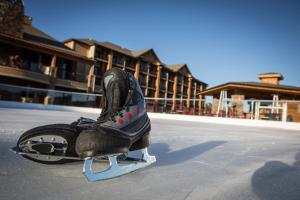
<point>140,52</point>
<point>111,46</point>
<point>252,85</point>
<point>200,81</point>
<point>176,67</point>
<point>34,36</point>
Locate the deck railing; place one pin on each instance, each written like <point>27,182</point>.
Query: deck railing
<point>283,110</point>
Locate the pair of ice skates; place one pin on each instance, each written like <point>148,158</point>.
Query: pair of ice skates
<point>123,126</point>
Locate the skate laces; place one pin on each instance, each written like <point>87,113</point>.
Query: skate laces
<point>108,114</point>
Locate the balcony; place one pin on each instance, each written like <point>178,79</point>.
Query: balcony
<point>41,75</point>
<point>71,84</point>
<point>163,75</point>
<point>71,80</point>
<point>152,75</point>
<point>24,74</point>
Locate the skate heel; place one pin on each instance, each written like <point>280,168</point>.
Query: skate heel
<point>141,143</point>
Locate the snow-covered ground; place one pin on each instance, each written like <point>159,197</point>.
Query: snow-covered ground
<point>195,160</point>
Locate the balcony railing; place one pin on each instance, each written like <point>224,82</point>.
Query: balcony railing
<point>46,96</point>
<point>72,76</point>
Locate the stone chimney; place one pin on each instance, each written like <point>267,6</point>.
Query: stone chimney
<point>11,17</point>
<point>27,20</point>
<point>270,78</point>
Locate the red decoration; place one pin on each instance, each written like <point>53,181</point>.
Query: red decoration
<point>120,121</point>
<point>128,116</point>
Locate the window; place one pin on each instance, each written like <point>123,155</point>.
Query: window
<point>101,53</point>
<point>118,59</point>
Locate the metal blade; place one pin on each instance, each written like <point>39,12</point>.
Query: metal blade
<point>115,169</point>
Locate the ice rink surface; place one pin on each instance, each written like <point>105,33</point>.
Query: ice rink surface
<point>194,161</point>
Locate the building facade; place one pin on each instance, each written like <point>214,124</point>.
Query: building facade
<point>268,99</point>
<point>166,87</point>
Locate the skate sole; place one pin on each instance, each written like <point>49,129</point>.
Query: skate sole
<point>142,143</point>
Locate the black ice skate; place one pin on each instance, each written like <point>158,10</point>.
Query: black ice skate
<point>122,126</point>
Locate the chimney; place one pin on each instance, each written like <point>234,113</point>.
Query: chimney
<point>27,20</point>
<point>270,78</point>
<point>11,17</point>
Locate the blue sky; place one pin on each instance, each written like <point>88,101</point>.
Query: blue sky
<point>220,40</point>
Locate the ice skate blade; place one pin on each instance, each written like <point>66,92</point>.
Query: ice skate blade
<point>42,157</point>
<point>115,169</point>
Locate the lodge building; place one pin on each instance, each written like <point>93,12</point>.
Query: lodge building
<point>32,58</point>
<point>157,80</point>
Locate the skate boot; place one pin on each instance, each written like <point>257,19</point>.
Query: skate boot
<point>123,124</point>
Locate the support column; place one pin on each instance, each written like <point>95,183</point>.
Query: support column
<point>91,79</point>
<point>200,97</point>
<point>174,92</point>
<point>137,70</point>
<point>91,52</point>
<point>110,59</point>
<point>52,74</point>
<point>147,79</point>
<point>53,68</point>
<point>195,95</point>
<point>157,83</point>
<point>40,62</point>
<point>46,100</point>
<point>124,64</point>
<point>166,92</point>
<point>190,78</point>
<point>181,92</point>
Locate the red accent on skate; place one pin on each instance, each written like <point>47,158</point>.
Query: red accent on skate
<point>138,110</point>
<point>120,121</point>
<point>128,116</point>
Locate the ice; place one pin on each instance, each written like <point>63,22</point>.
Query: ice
<point>194,161</point>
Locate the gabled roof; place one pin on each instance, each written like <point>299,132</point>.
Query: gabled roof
<point>178,67</point>
<point>200,81</point>
<point>108,45</point>
<point>143,52</point>
<point>32,36</point>
<point>140,52</point>
<point>254,86</point>
<point>175,67</point>
<point>114,47</point>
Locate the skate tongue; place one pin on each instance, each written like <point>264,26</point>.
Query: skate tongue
<point>109,114</point>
